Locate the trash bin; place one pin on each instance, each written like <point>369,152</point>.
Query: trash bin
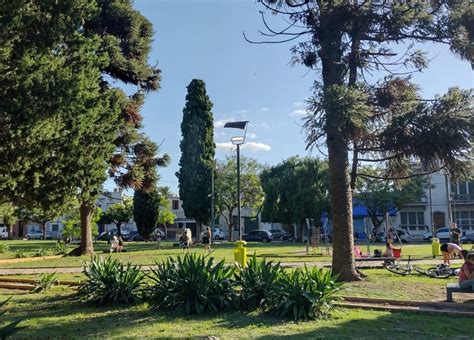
<point>435,247</point>
<point>240,253</point>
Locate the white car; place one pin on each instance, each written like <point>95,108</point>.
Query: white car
<point>442,234</point>
<point>218,234</point>
<point>3,233</point>
<point>37,235</point>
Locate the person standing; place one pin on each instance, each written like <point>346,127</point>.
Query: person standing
<point>455,234</point>
<point>206,239</point>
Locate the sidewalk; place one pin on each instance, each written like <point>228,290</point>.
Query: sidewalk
<point>71,270</point>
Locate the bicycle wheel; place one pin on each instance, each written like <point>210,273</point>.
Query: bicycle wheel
<point>420,270</point>
<point>397,269</point>
<point>438,273</point>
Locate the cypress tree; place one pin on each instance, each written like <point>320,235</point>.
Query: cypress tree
<point>197,153</point>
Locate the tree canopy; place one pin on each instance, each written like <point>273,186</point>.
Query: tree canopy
<point>226,187</point>
<point>146,206</point>
<point>385,120</point>
<point>296,189</point>
<point>197,153</point>
<point>119,214</point>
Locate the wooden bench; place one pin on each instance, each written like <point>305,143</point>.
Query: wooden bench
<point>454,288</point>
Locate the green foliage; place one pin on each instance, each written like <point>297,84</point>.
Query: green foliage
<point>192,285</point>
<point>19,253</point>
<point>40,252</point>
<point>305,294</point>
<point>72,224</point>
<point>146,206</point>
<point>197,153</point>
<point>296,189</point>
<point>61,249</point>
<point>119,213</point>
<point>4,248</point>
<point>46,282</point>
<point>11,328</point>
<point>258,281</point>
<point>108,281</point>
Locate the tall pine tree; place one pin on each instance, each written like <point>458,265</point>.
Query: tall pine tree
<point>197,154</point>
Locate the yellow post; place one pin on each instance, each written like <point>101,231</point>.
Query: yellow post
<point>240,253</point>
<point>435,247</point>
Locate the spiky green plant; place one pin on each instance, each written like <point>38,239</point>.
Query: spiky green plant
<point>61,249</point>
<point>110,281</point>
<point>40,252</point>
<point>4,248</point>
<point>19,253</point>
<point>192,285</point>
<point>45,282</point>
<point>258,281</point>
<point>305,294</point>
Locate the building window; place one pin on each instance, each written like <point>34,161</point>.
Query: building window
<point>464,219</point>
<point>55,227</point>
<point>412,220</point>
<point>175,204</point>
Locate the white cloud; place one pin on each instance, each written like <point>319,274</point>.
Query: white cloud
<point>298,104</point>
<point>264,109</point>
<point>299,112</point>
<point>221,122</point>
<point>251,146</point>
<point>251,135</point>
<point>239,112</point>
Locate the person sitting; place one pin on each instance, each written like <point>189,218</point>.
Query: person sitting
<point>114,244</point>
<point>120,244</point>
<point>466,274</point>
<point>449,250</point>
<point>388,250</point>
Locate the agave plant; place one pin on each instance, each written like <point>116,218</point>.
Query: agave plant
<point>110,281</point>
<point>305,294</point>
<point>61,249</point>
<point>19,253</point>
<point>192,284</point>
<point>258,281</point>
<point>10,328</point>
<point>40,252</point>
<point>4,248</point>
<point>46,282</point>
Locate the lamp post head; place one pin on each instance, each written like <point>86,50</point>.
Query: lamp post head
<point>238,140</point>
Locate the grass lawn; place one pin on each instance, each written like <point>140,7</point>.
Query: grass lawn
<point>56,315</point>
<point>147,253</point>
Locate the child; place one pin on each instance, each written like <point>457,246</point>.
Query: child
<point>448,250</point>
<point>466,274</point>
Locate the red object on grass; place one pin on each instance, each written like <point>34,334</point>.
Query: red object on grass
<point>397,252</point>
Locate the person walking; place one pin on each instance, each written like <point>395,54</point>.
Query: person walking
<point>206,239</point>
<point>455,234</point>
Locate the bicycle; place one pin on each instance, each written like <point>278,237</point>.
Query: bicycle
<point>441,271</point>
<point>403,268</point>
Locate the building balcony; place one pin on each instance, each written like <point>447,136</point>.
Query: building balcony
<point>462,198</point>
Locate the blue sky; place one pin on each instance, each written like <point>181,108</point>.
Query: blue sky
<point>203,39</point>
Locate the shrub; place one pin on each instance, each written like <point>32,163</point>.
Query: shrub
<point>46,282</point>
<point>257,281</point>
<point>19,253</point>
<point>305,294</point>
<point>192,285</point>
<point>109,281</point>
<point>40,252</point>
<point>4,248</point>
<point>61,249</point>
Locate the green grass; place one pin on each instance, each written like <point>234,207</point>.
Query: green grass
<point>56,315</point>
<point>147,253</point>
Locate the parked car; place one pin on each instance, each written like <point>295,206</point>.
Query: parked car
<point>135,236</point>
<point>38,235</point>
<point>281,235</point>
<point>468,239</point>
<point>218,234</point>
<point>258,236</point>
<point>442,234</point>
<point>3,233</point>
<point>105,235</point>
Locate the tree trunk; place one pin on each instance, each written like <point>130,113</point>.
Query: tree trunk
<point>9,230</point>
<point>119,228</point>
<point>86,247</point>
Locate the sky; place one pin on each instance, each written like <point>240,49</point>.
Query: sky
<point>202,39</point>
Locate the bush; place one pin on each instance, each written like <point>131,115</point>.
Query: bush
<point>61,249</point>
<point>305,294</point>
<point>257,281</point>
<point>19,253</point>
<point>4,248</point>
<point>192,285</point>
<point>109,281</point>
<point>40,252</point>
<point>46,282</point>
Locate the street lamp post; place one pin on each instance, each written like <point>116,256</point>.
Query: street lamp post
<point>238,141</point>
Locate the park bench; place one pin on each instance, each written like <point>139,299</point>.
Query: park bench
<point>454,288</point>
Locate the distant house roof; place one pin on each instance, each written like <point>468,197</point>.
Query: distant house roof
<point>360,211</point>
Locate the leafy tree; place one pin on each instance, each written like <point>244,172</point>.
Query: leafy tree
<point>380,196</point>
<point>69,123</point>
<point>295,190</point>
<point>166,216</point>
<point>226,187</point>
<point>197,153</point>
<point>146,207</point>
<point>383,121</point>
<point>9,217</point>
<point>119,213</point>
<point>41,216</point>
<point>72,224</point>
